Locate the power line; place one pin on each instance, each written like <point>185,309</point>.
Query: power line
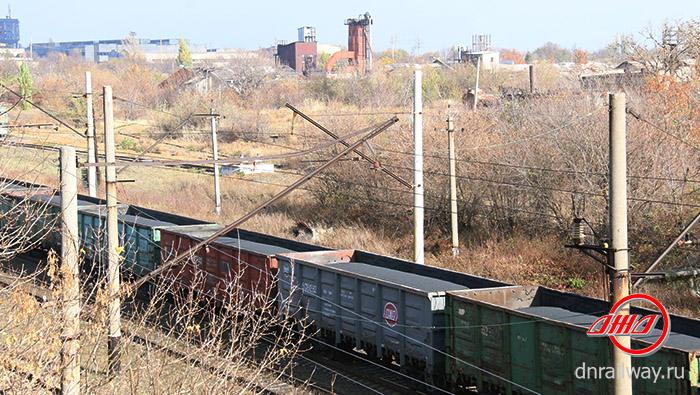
<point>660,129</point>
<point>511,183</point>
<point>524,167</point>
<point>147,107</point>
<point>636,116</point>
<point>231,160</point>
<point>394,203</point>
<point>525,139</point>
<point>465,160</point>
<point>652,201</point>
<point>345,114</point>
<point>478,179</point>
<point>42,110</point>
<point>498,164</point>
<point>327,178</point>
<point>638,199</point>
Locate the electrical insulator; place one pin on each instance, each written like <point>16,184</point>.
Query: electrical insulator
<point>578,235</point>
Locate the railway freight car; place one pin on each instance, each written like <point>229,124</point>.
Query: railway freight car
<point>139,237</point>
<point>39,207</point>
<point>242,259</point>
<point>139,234</point>
<point>390,308</point>
<point>36,210</point>
<point>536,337</point>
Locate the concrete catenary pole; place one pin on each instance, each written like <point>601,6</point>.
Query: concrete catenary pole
<point>113,253</point>
<point>476,84</point>
<point>618,231</point>
<point>532,78</point>
<point>453,185</point>
<point>418,212</point>
<point>70,353</point>
<point>217,188</point>
<point>92,171</point>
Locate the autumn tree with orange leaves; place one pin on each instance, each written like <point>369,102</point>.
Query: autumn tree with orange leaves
<point>672,87</point>
<point>677,103</point>
<point>512,54</point>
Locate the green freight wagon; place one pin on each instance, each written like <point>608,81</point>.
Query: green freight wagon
<point>139,237</point>
<point>35,213</point>
<point>536,337</point>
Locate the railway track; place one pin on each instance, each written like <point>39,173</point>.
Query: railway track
<point>120,157</point>
<point>348,374</point>
<point>381,379</point>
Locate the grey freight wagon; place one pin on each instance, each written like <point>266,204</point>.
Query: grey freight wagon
<point>390,308</point>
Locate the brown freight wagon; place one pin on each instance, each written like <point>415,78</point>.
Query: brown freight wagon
<point>241,264</point>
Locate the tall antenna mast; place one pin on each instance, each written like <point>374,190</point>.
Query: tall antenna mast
<point>9,10</point>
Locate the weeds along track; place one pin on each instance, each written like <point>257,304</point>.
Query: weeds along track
<point>22,273</point>
<point>346,372</point>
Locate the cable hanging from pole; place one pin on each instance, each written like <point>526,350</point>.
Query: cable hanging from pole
<point>44,111</point>
<point>230,160</point>
<point>252,213</point>
<point>360,153</point>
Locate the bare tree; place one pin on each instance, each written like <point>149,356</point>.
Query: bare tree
<point>671,49</point>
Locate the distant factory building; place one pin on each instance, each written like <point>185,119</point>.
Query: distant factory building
<point>104,50</point>
<point>9,32</point>
<point>300,55</point>
<point>359,54</point>
<point>480,51</point>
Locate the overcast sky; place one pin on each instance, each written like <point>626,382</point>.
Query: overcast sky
<point>520,24</point>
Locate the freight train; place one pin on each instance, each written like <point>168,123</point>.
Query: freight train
<point>443,329</point>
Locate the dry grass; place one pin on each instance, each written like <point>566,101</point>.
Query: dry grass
<point>527,261</point>
<point>352,207</point>
<point>516,257</point>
